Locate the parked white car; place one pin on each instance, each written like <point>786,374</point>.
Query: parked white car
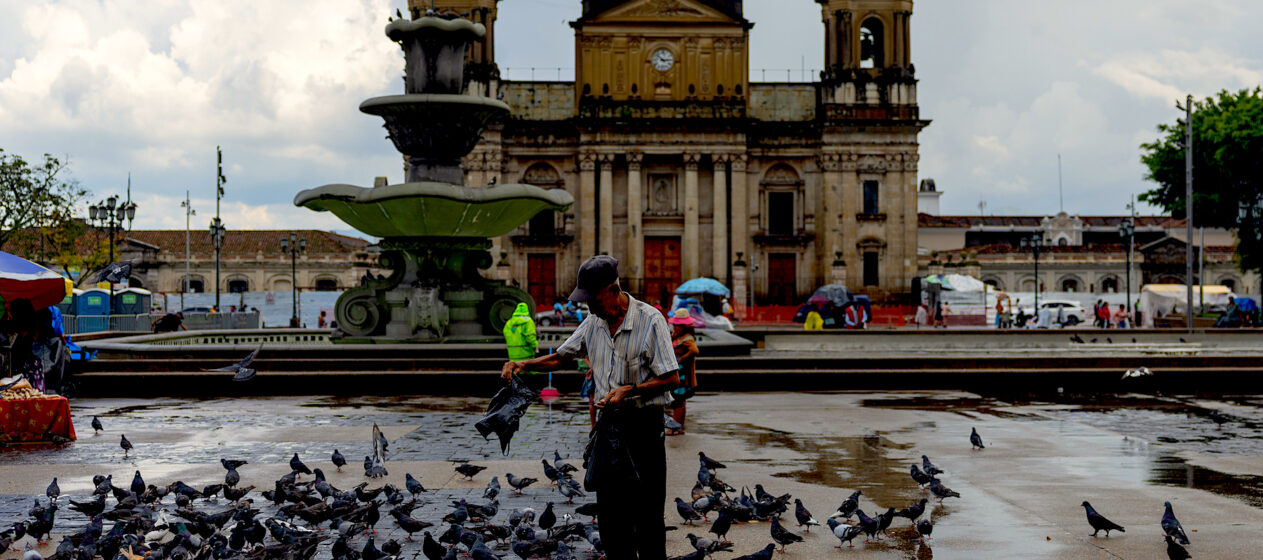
<point>1071,311</point>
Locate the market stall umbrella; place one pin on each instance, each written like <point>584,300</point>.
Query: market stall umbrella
<point>23,279</point>
<point>835,294</point>
<point>703,286</point>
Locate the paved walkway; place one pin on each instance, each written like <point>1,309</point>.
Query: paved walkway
<point>1020,497</point>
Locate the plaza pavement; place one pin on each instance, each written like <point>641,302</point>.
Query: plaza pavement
<point>1020,497</point>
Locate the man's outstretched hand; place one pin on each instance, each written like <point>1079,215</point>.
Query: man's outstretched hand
<point>510,369</point>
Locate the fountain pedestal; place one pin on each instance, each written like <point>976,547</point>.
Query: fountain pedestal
<point>435,231</point>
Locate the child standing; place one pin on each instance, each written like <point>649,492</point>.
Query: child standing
<point>686,354</point>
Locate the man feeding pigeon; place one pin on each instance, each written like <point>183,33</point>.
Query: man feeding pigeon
<point>628,345</point>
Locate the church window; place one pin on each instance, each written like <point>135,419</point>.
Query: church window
<point>691,89</point>
<point>633,89</point>
<point>605,89</point>
<point>587,89</point>
<point>780,218</point>
<point>871,44</point>
<point>719,89</point>
<point>737,89</point>
<point>871,275</point>
<point>870,197</point>
<point>1063,242</point>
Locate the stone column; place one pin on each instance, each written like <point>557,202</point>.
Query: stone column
<point>838,269</point>
<point>587,205</point>
<point>719,229</point>
<point>851,200</point>
<point>740,210</point>
<point>606,188</point>
<point>740,287</point>
<point>831,221</point>
<point>635,269</point>
<point>691,245</point>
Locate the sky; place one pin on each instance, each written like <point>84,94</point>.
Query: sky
<point>151,87</point>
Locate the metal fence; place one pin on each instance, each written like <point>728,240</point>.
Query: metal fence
<point>78,324</point>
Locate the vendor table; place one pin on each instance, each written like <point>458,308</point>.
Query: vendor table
<point>35,420</point>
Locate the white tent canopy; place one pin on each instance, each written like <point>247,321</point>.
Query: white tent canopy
<point>1165,299</point>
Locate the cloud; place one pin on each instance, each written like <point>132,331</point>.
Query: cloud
<point>1160,75</point>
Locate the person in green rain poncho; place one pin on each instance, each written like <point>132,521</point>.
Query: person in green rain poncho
<point>519,334</point>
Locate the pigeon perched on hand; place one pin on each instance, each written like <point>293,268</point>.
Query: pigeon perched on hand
<point>803,516</point>
<point>1099,522</point>
<point>1172,526</point>
<point>845,533</point>
<point>975,439</point>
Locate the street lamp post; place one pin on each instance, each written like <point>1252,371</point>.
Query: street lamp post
<point>293,245</point>
<point>110,215</point>
<point>1127,231</point>
<point>1035,243</point>
<point>217,233</point>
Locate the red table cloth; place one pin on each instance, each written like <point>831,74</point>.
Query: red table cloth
<point>35,420</point>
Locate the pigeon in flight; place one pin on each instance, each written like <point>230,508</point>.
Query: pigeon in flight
<point>96,425</point>
<point>976,439</point>
<point>339,460</point>
<point>242,369</point>
<point>803,516</point>
<point>1174,550</point>
<point>845,533</point>
<point>126,445</point>
<point>1099,522</point>
<point>1136,373</point>
<point>1172,527</point>
<point>1076,339</point>
<point>783,536</point>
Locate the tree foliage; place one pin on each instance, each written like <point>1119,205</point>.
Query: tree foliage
<point>36,202</point>
<point>1227,169</point>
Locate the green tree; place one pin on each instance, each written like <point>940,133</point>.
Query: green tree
<point>1227,169</point>
<point>36,200</point>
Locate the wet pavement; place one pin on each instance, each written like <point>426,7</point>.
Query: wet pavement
<point>1020,497</point>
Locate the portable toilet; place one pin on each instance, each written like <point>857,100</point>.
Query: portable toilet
<point>132,301</point>
<point>92,308</point>
<point>67,306</point>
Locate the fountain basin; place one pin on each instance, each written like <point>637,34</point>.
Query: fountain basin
<point>435,130</point>
<point>430,209</point>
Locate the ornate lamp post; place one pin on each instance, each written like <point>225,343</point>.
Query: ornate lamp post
<point>1127,231</point>
<point>110,215</point>
<point>217,233</point>
<point>293,245</point>
<point>1035,243</point>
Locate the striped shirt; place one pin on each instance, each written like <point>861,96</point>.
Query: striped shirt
<point>639,351</point>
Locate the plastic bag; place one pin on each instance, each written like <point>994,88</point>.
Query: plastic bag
<point>506,409</point>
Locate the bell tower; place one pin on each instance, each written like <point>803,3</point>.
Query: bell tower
<point>867,56</point>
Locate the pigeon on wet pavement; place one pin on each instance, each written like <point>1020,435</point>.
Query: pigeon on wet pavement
<point>845,533</point>
<point>1218,418</point>
<point>492,489</point>
<point>570,489</point>
<point>548,518</point>
<point>1172,526</point>
<point>550,471</point>
<point>53,490</point>
<point>884,520</point>
<point>1099,522</point>
<point>975,439</point>
<point>802,515</point>
<point>929,467</point>
<point>339,461</point>
<point>519,483</point>
<point>941,491</point>
<point>850,504</point>
<point>96,425</point>
<point>296,465</point>
<point>231,478</point>
<point>469,470</point>
<point>924,528</point>
<point>920,477</point>
<point>765,554</point>
<point>686,511</point>
<point>868,525</point>
<point>138,484</point>
<point>913,511</point>
<point>708,545</point>
<point>783,536</point>
<point>413,485</point>
<point>1174,550</point>
<point>431,549</point>
<point>561,465</point>
<point>721,525</point>
<point>126,445</point>
<point>708,462</point>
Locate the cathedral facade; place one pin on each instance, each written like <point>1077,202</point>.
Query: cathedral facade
<point>681,166</point>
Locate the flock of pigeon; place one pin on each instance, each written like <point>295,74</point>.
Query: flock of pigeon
<point>712,495</point>
<point>301,511</point>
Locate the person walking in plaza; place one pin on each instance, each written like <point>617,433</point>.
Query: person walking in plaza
<point>682,328</point>
<point>1120,317</point>
<point>519,334</point>
<point>627,343</point>
<point>1102,314</point>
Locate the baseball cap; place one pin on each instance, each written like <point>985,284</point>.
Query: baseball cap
<point>596,273</point>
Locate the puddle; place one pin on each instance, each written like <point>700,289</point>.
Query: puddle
<point>1174,471</point>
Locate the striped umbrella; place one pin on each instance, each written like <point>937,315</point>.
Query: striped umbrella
<point>23,279</point>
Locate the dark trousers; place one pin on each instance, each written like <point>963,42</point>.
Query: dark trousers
<point>629,514</point>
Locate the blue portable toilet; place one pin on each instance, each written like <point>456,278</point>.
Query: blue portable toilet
<point>92,308</point>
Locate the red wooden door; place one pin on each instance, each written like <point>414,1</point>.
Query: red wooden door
<point>662,269</point>
<point>541,279</point>
<point>781,279</point>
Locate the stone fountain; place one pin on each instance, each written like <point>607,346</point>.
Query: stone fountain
<point>435,231</point>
